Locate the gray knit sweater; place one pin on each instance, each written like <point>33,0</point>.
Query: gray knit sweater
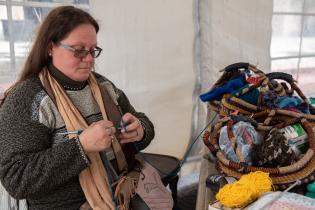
<point>38,164</point>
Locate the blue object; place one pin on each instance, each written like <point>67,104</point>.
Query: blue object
<point>293,102</point>
<point>286,102</point>
<point>310,194</point>
<point>312,100</point>
<point>311,187</point>
<point>251,96</point>
<point>218,92</point>
<point>270,99</point>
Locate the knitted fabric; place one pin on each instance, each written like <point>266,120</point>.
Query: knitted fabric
<point>274,152</point>
<point>217,93</point>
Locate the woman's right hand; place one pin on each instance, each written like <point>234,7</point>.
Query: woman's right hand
<point>98,136</point>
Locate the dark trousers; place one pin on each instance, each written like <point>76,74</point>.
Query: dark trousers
<point>138,204</point>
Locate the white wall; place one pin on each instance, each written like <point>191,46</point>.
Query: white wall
<point>148,53</point>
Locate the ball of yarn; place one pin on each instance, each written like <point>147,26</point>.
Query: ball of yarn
<point>244,191</point>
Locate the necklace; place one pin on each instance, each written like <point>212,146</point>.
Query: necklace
<point>66,87</point>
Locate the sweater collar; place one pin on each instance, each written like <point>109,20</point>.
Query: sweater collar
<point>66,82</point>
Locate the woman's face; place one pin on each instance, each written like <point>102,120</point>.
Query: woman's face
<point>77,69</point>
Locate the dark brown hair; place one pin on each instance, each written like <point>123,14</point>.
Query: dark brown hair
<point>55,27</point>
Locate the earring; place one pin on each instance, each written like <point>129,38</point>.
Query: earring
<point>49,54</point>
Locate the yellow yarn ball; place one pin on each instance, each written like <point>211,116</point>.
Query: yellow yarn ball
<point>244,191</point>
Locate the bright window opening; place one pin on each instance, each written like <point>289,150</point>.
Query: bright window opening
<point>293,41</point>
<point>18,23</point>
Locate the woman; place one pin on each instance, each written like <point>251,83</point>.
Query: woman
<point>67,133</point>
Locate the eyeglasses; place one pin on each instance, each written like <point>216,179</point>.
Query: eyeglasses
<point>82,53</point>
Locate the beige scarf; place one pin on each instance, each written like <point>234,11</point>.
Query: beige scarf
<point>94,181</point>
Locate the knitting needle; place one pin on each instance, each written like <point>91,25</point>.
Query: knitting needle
<point>122,126</point>
<point>298,182</point>
<point>78,132</point>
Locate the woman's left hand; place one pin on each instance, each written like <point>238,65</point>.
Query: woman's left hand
<point>132,129</point>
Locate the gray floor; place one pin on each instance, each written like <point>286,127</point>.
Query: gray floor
<point>188,185</point>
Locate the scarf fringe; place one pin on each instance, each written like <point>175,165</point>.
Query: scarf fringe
<point>125,190</point>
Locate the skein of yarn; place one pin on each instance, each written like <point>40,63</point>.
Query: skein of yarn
<point>244,191</point>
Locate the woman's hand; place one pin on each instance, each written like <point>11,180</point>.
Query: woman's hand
<point>132,129</point>
<point>98,136</point>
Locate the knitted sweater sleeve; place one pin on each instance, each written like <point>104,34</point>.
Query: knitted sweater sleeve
<point>29,165</point>
<point>125,106</point>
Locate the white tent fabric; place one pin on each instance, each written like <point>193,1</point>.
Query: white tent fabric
<point>152,53</point>
<point>233,31</point>
<point>148,53</point>
<point>230,31</point>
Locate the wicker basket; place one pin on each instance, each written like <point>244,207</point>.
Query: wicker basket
<point>263,118</point>
<point>282,177</point>
<point>232,102</point>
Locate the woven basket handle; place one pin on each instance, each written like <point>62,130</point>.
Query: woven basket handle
<point>280,75</point>
<point>236,66</point>
<point>288,122</point>
<point>288,78</point>
<point>239,167</point>
<point>242,65</point>
<point>233,141</point>
<point>238,118</point>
